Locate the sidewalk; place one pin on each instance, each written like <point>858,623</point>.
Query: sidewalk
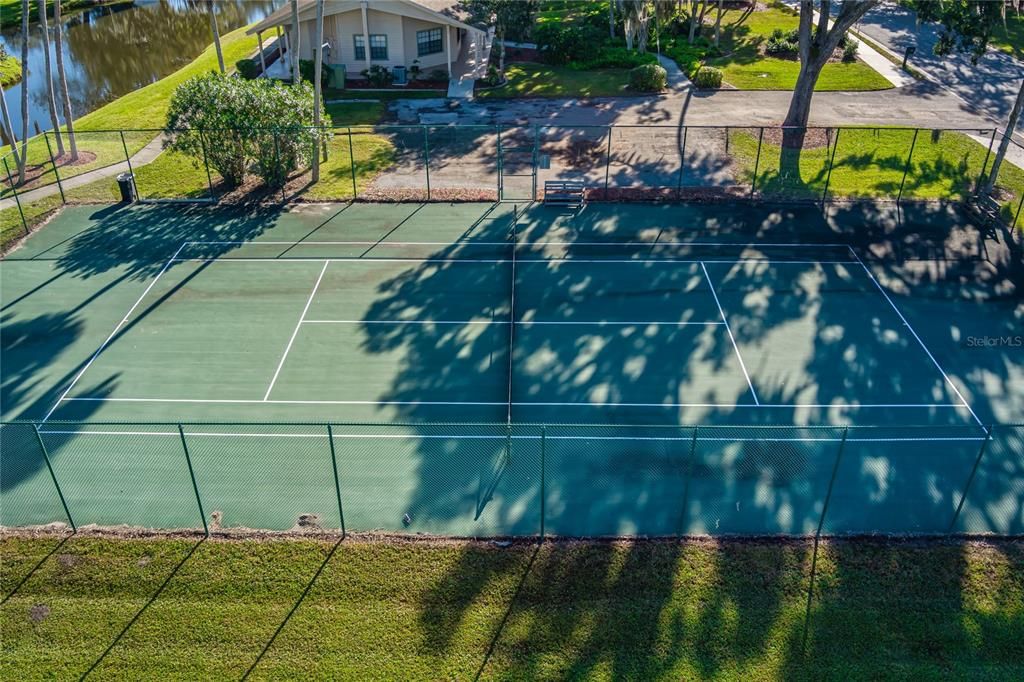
<point>145,155</point>
<point>677,80</point>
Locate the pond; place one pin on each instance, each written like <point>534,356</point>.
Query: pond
<point>114,49</point>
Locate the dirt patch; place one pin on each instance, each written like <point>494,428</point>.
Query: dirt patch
<point>68,560</point>
<point>814,138</point>
<point>84,158</point>
<point>33,173</point>
<point>421,84</point>
<point>37,613</point>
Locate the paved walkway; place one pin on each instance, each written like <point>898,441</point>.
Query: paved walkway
<point>677,80</point>
<point>145,155</point>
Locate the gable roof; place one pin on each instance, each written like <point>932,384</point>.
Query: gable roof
<point>439,11</point>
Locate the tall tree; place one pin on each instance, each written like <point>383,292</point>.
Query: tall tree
<point>718,24</point>
<point>611,19</point>
<point>318,65</point>
<point>293,44</point>
<point>216,37</point>
<point>62,79</point>
<point>51,99</point>
<point>8,128</point>
<point>25,9</point>
<point>1004,144</point>
<point>698,8</point>
<point>508,16</point>
<point>636,17</point>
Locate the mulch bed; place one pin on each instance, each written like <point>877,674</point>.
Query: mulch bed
<point>420,84</point>
<point>814,138</point>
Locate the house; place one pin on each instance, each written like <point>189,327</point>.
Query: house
<point>434,34</point>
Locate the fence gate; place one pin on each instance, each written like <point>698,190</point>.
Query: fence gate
<point>517,164</point>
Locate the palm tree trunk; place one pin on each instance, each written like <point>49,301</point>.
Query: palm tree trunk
<point>318,57</point>
<point>611,18</point>
<point>58,34</point>
<point>718,23</point>
<point>8,129</point>
<point>51,99</point>
<point>25,9</point>
<point>216,38</point>
<point>293,43</point>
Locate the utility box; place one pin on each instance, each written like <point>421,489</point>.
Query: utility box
<point>337,78</point>
<point>398,76</point>
<point>126,183</point>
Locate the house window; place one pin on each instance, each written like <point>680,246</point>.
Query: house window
<point>378,47</point>
<point>428,42</point>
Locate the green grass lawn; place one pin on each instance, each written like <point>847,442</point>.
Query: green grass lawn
<point>180,609</point>
<point>10,70</point>
<point>870,164</point>
<point>1010,38</point>
<point>526,79</point>
<point>743,65</point>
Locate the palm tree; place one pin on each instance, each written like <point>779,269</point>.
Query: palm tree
<point>58,34</point>
<point>25,9</point>
<point>293,43</point>
<point>216,37</point>
<point>318,56</point>
<point>8,130</point>
<point>51,100</point>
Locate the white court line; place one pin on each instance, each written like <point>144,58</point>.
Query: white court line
<point>112,334</point>
<point>731,337</point>
<point>590,261</point>
<point>295,333</point>
<point>459,436</point>
<point>596,323</point>
<point>538,243</point>
<point>919,341</point>
<point>201,401</point>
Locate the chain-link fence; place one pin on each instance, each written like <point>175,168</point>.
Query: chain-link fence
<point>512,163</point>
<point>489,480</point>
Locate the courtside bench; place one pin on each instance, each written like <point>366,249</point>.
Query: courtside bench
<point>564,193</point>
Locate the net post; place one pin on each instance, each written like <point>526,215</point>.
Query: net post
<point>831,163</point>
<point>206,165</point>
<point>53,162</point>
<point>426,158</point>
<point>970,479</point>
<point>128,161</point>
<point>543,476</point>
<point>608,162</point>
<point>337,481</point>
<point>757,162</point>
<point>906,167</point>
<point>17,199</point>
<point>687,476</point>
<point>817,537</point>
<point>682,166</point>
<point>984,164</point>
<point>192,475</point>
<point>536,161</point>
<point>53,476</point>
<point>352,164</point>
<point>498,160</point>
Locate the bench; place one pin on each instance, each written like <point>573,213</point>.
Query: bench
<point>564,193</point>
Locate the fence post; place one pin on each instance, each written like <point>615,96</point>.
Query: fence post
<point>337,481</point>
<point>970,479</point>
<point>192,474</point>
<point>498,161</point>
<point>543,490</point>
<point>831,162</point>
<point>817,535</point>
<point>53,162</point>
<point>128,160</point>
<point>49,466</point>
<point>536,161</point>
<point>206,164</point>
<point>17,199</point>
<point>757,162</point>
<point>352,164</point>
<point>607,162</point>
<point>906,168</point>
<point>682,166</point>
<point>277,163</point>
<point>686,482</point>
<point>984,164</point>
<point>1019,207</point>
<point>426,158</point>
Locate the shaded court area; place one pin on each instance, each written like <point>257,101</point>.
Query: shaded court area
<point>511,369</point>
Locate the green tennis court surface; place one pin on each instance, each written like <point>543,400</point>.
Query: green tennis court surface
<point>636,321</point>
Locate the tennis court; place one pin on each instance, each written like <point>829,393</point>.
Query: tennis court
<point>624,320</point>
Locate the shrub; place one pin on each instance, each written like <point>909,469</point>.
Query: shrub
<point>614,57</point>
<point>378,76</point>
<point>781,42</point>
<point>850,51</point>
<point>648,78</point>
<point>308,66</point>
<point>564,42</point>
<point>237,123</point>
<point>708,77</point>
<point>492,78</point>
<point>247,68</point>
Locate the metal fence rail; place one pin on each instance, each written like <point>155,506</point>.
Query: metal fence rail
<point>488,480</point>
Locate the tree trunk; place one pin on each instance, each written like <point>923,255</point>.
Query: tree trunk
<point>1004,144</point>
<point>293,44</point>
<point>216,38</point>
<point>62,80</point>
<point>501,56</point>
<point>718,24</point>
<point>8,129</point>
<point>318,63</point>
<point>611,18</point>
<point>51,99</point>
<point>25,9</point>
<point>693,21</point>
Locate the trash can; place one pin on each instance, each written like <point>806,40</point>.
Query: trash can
<point>126,183</point>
